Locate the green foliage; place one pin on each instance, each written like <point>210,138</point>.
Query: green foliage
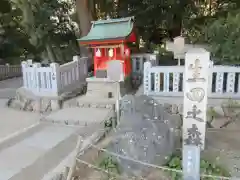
<point>5,6</point>
<point>206,168</point>
<point>211,113</point>
<point>224,37</point>
<point>231,103</point>
<point>12,40</point>
<point>30,29</point>
<point>108,123</point>
<point>109,164</point>
<point>45,28</point>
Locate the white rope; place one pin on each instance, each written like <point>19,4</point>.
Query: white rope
<point>103,170</point>
<point>155,166</point>
<point>220,151</point>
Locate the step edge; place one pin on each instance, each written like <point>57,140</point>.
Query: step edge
<point>20,135</point>
<point>41,165</point>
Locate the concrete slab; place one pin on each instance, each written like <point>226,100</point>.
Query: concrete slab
<point>52,134</point>
<point>56,155</point>
<point>7,93</point>
<point>11,83</point>
<point>3,103</point>
<point>21,155</point>
<point>12,121</point>
<point>78,116</point>
<point>94,100</point>
<point>59,169</point>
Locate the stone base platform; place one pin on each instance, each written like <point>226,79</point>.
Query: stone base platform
<point>27,101</point>
<point>85,101</point>
<point>79,116</point>
<point>106,88</point>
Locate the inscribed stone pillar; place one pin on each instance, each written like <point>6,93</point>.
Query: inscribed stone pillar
<point>195,96</point>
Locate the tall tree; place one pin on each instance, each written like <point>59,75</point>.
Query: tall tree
<point>46,22</point>
<point>13,41</point>
<point>85,11</point>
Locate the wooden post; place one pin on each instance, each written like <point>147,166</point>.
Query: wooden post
<point>73,166</point>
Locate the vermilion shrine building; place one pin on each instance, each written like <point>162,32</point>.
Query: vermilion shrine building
<point>111,40</point>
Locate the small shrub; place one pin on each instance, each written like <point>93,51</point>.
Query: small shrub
<point>109,164</point>
<point>206,167</point>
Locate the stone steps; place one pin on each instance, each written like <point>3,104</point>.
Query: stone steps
<point>35,152</point>
<point>21,136</point>
<point>76,116</point>
<point>36,149</point>
<point>86,101</point>
<point>48,160</point>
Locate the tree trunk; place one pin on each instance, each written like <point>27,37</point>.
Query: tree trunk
<point>85,18</point>
<point>122,8</point>
<point>50,53</point>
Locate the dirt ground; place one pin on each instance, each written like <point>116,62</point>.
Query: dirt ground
<point>222,147</point>
<point>225,148</point>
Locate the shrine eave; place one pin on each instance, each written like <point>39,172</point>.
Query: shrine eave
<point>108,31</point>
<point>103,41</point>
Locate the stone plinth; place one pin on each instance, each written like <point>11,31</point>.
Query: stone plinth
<point>105,88</point>
<point>27,101</point>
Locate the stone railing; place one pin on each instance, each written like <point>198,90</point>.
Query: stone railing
<point>10,71</point>
<point>224,81</point>
<point>55,79</point>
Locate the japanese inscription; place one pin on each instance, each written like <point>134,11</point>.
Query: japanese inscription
<point>196,72</point>
<point>194,136</point>
<point>191,162</point>
<point>195,97</point>
<point>194,114</point>
<point>196,94</point>
<point>127,105</point>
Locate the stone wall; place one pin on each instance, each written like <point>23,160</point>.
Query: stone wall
<point>27,101</point>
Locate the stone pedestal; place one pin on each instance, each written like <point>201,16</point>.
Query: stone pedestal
<point>105,88</point>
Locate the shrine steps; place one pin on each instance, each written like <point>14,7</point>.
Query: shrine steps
<point>33,153</point>
<point>29,131</point>
<point>89,102</point>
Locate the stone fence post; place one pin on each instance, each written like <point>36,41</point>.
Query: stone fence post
<point>146,78</point>
<point>56,79</point>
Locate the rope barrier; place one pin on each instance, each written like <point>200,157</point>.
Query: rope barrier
<point>103,170</point>
<point>155,166</point>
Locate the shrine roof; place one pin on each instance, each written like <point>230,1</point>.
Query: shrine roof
<point>111,29</point>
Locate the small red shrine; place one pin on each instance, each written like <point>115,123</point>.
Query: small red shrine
<point>111,40</point>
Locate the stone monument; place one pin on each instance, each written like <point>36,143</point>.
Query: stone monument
<point>146,133</point>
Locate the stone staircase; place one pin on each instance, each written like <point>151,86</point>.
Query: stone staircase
<point>35,152</point>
